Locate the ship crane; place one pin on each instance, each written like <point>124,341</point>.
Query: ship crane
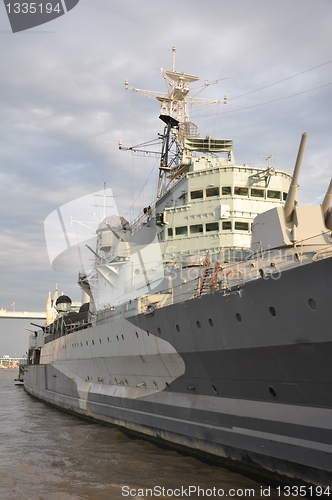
<point>175,114</point>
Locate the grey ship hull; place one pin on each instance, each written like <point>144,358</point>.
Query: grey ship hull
<point>256,388</point>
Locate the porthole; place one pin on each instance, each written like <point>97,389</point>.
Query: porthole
<point>159,331</point>
<point>210,322</point>
<point>136,334</point>
<point>99,341</point>
<point>122,337</point>
<point>93,342</point>
<point>87,343</point>
<point>238,317</point>
<point>272,311</point>
<point>214,389</point>
<point>108,339</point>
<point>312,304</point>
<point>198,324</point>
<point>177,328</point>
<point>147,331</point>
<point>117,337</point>
<point>273,392</point>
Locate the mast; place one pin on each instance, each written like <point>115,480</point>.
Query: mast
<point>175,114</point>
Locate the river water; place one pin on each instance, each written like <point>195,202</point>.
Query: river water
<point>46,454</point>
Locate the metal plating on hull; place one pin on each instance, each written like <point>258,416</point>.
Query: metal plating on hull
<point>229,402</point>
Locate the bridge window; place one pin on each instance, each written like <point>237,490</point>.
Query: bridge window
<point>226,190</point>
<point>241,226</point>
<point>212,226</point>
<point>170,232</point>
<point>212,191</point>
<point>227,225</point>
<point>275,195</point>
<point>240,191</point>
<point>181,231</point>
<point>196,228</point>
<point>194,195</point>
<point>257,193</point>
<point>284,196</point>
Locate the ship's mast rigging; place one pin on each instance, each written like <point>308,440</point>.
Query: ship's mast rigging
<point>174,113</point>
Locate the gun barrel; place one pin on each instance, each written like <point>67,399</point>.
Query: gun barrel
<point>328,219</point>
<point>327,200</point>
<point>289,204</point>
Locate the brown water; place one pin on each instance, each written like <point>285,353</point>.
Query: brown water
<point>48,455</point>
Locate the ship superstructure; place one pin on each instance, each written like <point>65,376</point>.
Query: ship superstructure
<point>209,319</point>
<point>205,201</point>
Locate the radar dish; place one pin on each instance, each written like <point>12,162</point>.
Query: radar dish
<point>175,75</point>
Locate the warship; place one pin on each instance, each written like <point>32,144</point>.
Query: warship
<point>208,324</point>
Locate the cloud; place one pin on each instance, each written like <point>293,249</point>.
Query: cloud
<point>64,107</point>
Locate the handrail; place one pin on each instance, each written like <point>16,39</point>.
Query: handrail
<point>138,222</point>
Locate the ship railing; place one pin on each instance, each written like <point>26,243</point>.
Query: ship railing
<point>143,305</point>
<point>54,332</point>
<point>267,264</point>
<point>142,218</point>
<point>237,267</point>
<point>233,273</point>
<point>147,305</point>
<point>270,263</point>
<point>148,302</point>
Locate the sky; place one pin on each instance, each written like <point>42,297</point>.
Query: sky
<point>64,107</point>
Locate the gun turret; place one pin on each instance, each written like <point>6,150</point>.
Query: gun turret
<point>326,209</point>
<point>289,203</point>
<point>275,228</point>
